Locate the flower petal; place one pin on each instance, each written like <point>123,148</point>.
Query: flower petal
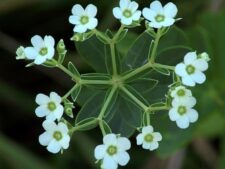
<point>110,139</point>
<point>149,14</point>
<point>133,6</point>
<point>63,128</point>
<point>190,57</point>
<point>170,10</point>
<point>51,53</point>
<point>122,158</point>
<point>31,53</point>
<point>140,139</point>
<point>109,163</point>
<point>44,139</point>
<point>180,69</point>
<point>199,77</point>
<point>156,25</point>
<point>49,125</point>
<point>78,10</point>
<point>64,142</point>
<point>183,122</point>
<point>168,22</point>
<point>51,116</point>
<point>146,145</point>
<point>37,42</point>
<point>93,22</point>
<point>42,99</point>
<point>188,81</point>
<point>55,97</point>
<point>117,13</point>
<point>147,129</point>
<point>41,111</point>
<point>123,143</point>
<point>49,41</point>
<point>173,115</point>
<point>124,4</point>
<point>190,102</point>
<point>126,21</point>
<point>156,6</point>
<point>136,16</point>
<point>80,28</point>
<point>201,64</point>
<point>39,60</point>
<point>157,136</point>
<point>154,145</point>
<point>54,147</point>
<point>91,10</point>
<point>74,19</point>
<point>100,151</point>
<point>192,115</point>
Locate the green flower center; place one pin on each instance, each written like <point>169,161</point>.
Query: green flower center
<point>182,110</point>
<point>149,138</point>
<point>57,135</point>
<point>112,150</point>
<point>181,92</point>
<point>43,51</point>
<point>51,106</point>
<point>84,20</point>
<point>190,69</point>
<point>160,18</point>
<point>127,13</point>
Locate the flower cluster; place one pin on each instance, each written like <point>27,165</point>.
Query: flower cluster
<point>113,152</point>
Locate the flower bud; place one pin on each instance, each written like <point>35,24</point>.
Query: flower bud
<point>61,46</point>
<point>20,53</point>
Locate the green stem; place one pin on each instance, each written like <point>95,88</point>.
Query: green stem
<point>155,46</point>
<point>118,33</point>
<point>148,119</point>
<point>95,82</point>
<point>102,36</point>
<point>113,54</point>
<point>77,128</point>
<point>135,99</point>
<point>102,127</point>
<point>106,103</point>
<point>152,109</point>
<point>137,71</point>
<point>163,66</point>
<point>70,91</point>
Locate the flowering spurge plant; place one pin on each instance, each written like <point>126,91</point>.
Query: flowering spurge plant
<point>138,82</point>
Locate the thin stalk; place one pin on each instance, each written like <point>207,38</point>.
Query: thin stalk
<point>118,33</point>
<point>135,99</point>
<point>95,82</point>
<point>70,91</point>
<point>102,128</point>
<point>155,46</point>
<point>113,54</point>
<point>163,66</point>
<point>152,109</point>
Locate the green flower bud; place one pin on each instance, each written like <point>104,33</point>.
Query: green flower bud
<point>61,46</point>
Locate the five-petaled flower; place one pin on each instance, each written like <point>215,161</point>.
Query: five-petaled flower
<point>49,106</point>
<point>55,137</point>
<point>159,16</point>
<point>127,12</point>
<point>42,50</point>
<point>148,138</point>
<point>83,19</point>
<point>113,151</point>
<point>192,69</point>
<point>181,92</point>
<point>182,112</point>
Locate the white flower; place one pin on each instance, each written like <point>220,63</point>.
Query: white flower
<point>204,56</point>
<point>49,106</point>
<point>181,92</point>
<point>148,138</point>
<point>42,50</point>
<point>83,19</point>
<point>127,12</point>
<point>20,53</point>
<point>192,69</point>
<point>56,136</point>
<point>182,112</point>
<point>159,16</point>
<point>113,151</point>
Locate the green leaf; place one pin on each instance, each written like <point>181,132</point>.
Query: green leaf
<point>73,69</point>
<point>92,50</point>
<point>92,106</point>
<point>106,127</point>
<point>138,53</point>
<point>75,93</point>
<point>162,71</point>
<point>87,124</point>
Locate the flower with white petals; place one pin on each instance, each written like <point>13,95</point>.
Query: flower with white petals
<point>20,53</point>
<point>113,151</point>
<point>192,69</point>
<point>55,137</point>
<point>49,106</point>
<point>204,56</point>
<point>42,50</point>
<point>182,112</point>
<point>83,19</point>
<point>148,138</point>
<point>159,16</point>
<point>127,12</point>
<point>181,92</point>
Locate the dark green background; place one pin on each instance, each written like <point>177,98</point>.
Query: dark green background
<point>204,23</point>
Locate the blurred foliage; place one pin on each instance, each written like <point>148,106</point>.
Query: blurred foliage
<point>204,25</point>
